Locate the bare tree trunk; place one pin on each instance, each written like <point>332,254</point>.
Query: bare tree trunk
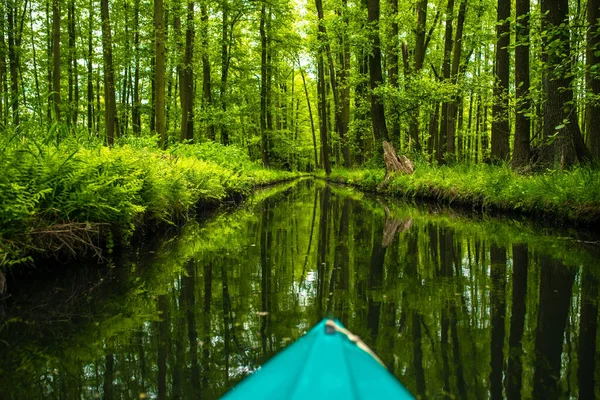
<point>186,85</point>
<point>56,58</point>
<point>321,91</point>
<point>443,140</point>
<point>521,148</point>
<point>225,44</point>
<point>310,115</point>
<point>206,79</point>
<point>592,59</point>
<point>564,145</point>
<point>452,105</point>
<point>110,111</point>
<point>135,111</point>
<point>500,126</point>
<point>263,87</point>
<point>376,77</point>
<point>90,81</point>
<point>160,69</point>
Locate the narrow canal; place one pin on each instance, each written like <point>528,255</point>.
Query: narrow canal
<point>457,306</point>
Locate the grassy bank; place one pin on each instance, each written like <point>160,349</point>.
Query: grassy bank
<point>71,196</point>
<point>572,195</point>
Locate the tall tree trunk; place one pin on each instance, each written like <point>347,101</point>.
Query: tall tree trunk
<point>345,87</point>
<point>13,62</point>
<point>393,67</point>
<point>90,78</point>
<point>186,85</point>
<point>136,119</point>
<point>564,145</point>
<point>56,58</point>
<point>521,148</point>
<point>160,69</point>
<point>376,77</point>
<point>110,111</point>
<point>3,86</point>
<point>206,79</point>
<point>310,116</point>
<point>500,126</point>
<point>454,71</point>
<point>224,68</point>
<point>443,140</point>
<point>72,64</point>
<point>323,114</point>
<point>592,78</point>
<point>263,86</point>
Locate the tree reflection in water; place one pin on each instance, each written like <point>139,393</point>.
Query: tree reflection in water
<point>456,307</point>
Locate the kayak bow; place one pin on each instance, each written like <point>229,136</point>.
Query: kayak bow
<point>328,362</point>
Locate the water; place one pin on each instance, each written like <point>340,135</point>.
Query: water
<point>456,306</point>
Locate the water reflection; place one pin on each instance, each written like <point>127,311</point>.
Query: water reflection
<point>455,307</point>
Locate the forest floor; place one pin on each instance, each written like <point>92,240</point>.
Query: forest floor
<point>564,196</point>
<point>73,199</point>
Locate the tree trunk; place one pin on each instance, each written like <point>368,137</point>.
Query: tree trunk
<point>323,114</point>
<point>160,69</point>
<point>521,148</point>
<point>13,63</point>
<point>500,126</point>
<point>136,119</point>
<point>443,140</point>
<point>563,142</point>
<point>454,72</point>
<point>263,86</point>
<point>73,79</point>
<point>375,75</point>
<point>90,78</point>
<point>110,110</point>
<point>56,57</point>
<point>206,79</point>
<point>393,68</point>
<point>225,43</point>
<point>3,86</point>
<point>186,84</point>
<point>310,116</point>
<point>592,58</point>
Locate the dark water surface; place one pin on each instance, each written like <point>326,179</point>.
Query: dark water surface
<point>457,307</point>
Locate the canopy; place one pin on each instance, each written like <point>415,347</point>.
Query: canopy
<point>328,362</point>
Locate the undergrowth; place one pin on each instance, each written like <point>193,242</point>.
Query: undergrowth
<point>561,194</point>
<point>45,185</point>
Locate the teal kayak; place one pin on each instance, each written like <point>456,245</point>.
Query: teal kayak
<point>328,362</point>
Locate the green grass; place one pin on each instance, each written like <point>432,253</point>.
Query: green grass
<point>76,187</point>
<point>572,195</point>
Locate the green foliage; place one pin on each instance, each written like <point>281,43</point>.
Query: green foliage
<point>42,186</point>
<point>563,194</point>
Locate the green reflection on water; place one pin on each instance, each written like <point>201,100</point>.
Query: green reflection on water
<point>456,307</point>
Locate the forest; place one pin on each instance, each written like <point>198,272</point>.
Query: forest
<point>118,112</point>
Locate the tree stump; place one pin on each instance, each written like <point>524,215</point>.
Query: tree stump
<point>393,163</point>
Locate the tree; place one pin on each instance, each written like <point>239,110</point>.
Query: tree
<point>563,142</point>
<point>160,68</point>
<point>264,134</point>
<point>206,79</point>
<point>500,126</point>
<point>592,78</point>
<point>186,85</point>
<point>521,148</point>
<point>375,75</point>
<point>56,57</point>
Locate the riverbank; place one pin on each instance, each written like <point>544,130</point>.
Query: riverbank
<point>75,199</point>
<point>572,195</point>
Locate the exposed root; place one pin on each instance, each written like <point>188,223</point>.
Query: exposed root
<point>73,237</point>
<point>394,163</point>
